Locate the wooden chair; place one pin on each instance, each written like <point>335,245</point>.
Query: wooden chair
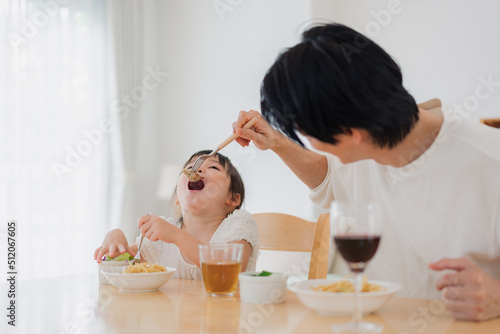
<point>493,122</point>
<point>282,232</point>
<point>433,106</point>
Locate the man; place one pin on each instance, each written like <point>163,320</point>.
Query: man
<point>437,178</point>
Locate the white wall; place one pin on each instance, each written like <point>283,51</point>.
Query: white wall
<point>443,47</point>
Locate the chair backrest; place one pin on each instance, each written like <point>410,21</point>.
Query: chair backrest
<point>433,106</point>
<point>278,231</point>
<point>493,122</point>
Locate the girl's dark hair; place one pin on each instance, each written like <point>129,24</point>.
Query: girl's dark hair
<point>334,80</point>
<point>236,185</point>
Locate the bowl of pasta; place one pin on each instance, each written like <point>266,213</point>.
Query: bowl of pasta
<point>336,296</point>
<point>140,277</point>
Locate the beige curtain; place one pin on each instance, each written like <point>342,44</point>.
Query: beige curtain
<point>126,32</point>
<point>55,148</point>
<point>137,78</point>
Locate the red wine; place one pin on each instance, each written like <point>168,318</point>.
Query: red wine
<point>357,248</point>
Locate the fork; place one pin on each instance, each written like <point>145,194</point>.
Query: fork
<point>137,257</point>
<point>233,136</point>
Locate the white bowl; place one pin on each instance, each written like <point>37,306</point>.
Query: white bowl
<point>341,303</point>
<point>262,289</point>
<point>143,282</point>
<point>112,267</point>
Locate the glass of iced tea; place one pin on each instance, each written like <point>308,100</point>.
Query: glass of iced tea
<point>220,266</point>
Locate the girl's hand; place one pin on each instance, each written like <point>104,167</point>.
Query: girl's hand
<point>114,243</point>
<point>469,293</point>
<point>155,228</point>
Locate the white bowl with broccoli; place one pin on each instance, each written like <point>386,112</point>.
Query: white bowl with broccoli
<point>114,265</point>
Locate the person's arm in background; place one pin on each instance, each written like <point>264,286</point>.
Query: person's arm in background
<point>310,167</point>
<point>469,293</point>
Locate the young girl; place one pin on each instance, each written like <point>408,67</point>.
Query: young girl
<point>210,214</point>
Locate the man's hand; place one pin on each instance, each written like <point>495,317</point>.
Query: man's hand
<point>469,293</point>
<point>262,134</point>
<point>309,166</point>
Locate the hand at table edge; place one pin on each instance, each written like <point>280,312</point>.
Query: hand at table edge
<point>469,293</point>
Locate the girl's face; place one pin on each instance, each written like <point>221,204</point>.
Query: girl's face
<point>211,193</point>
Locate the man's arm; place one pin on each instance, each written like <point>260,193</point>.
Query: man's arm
<point>310,167</point>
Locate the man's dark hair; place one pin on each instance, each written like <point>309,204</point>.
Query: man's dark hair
<point>334,80</point>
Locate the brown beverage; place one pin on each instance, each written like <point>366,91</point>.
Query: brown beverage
<point>220,277</point>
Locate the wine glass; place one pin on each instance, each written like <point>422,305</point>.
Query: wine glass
<point>356,231</point>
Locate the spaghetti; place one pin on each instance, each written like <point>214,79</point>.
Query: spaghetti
<point>348,286</point>
<point>145,267</point>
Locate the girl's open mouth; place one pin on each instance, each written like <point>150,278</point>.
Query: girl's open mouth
<point>198,185</point>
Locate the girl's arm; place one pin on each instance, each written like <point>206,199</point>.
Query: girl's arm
<point>156,228</point>
<point>188,245</point>
<point>247,250</point>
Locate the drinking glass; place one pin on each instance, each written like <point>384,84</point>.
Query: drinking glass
<point>356,231</point>
<point>220,266</point>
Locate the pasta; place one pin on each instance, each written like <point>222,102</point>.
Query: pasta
<point>144,268</point>
<point>348,286</point>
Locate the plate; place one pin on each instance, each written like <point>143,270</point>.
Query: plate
<point>143,282</point>
<point>341,303</point>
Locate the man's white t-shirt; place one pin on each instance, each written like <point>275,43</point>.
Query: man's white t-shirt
<point>446,203</point>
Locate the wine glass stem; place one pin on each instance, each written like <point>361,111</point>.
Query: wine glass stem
<point>358,281</point>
